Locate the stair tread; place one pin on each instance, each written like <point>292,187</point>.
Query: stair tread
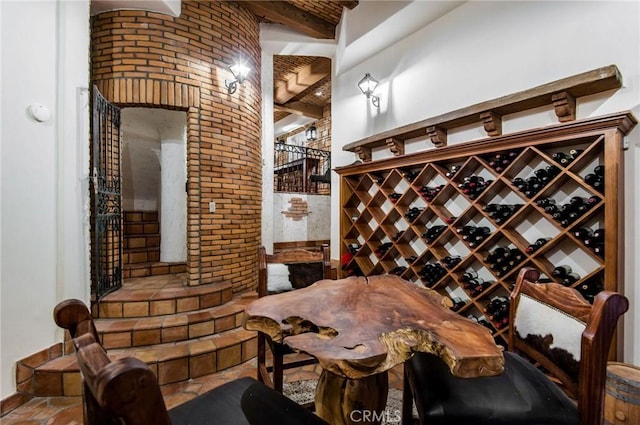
<point>160,352</point>
<point>145,289</point>
<point>147,249</point>
<point>191,317</point>
<point>152,264</point>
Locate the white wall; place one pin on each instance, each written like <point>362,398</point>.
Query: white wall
<point>44,168</point>
<point>315,226</point>
<point>483,50</point>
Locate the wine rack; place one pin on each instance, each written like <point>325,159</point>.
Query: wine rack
<point>456,219</point>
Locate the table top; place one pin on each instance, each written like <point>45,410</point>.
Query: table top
<point>360,326</point>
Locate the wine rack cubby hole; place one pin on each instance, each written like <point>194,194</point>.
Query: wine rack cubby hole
<point>391,210</point>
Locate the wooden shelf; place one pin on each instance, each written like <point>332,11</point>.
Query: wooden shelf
<point>377,199</point>
<point>561,94</point>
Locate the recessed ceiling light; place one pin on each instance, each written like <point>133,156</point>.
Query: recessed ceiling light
<point>318,93</point>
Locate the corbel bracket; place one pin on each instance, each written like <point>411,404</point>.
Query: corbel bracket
<point>396,146</point>
<point>363,153</point>
<point>492,123</point>
<point>565,106</point>
<point>438,135</point>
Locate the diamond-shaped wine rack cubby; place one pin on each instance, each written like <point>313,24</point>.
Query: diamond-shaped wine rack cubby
<point>463,219</point>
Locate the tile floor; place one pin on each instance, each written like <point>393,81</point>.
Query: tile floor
<point>68,410</point>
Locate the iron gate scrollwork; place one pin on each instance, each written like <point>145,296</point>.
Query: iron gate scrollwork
<point>106,217</point>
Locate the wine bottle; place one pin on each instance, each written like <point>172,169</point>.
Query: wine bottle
<point>560,157</point>
<point>458,303</point>
<point>398,270</point>
<point>452,171</point>
<point>583,233</point>
<point>383,248</point>
<point>468,275</point>
<point>599,170</point>
<point>589,289</point>
<point>599,250</point>
<point>410,175</point>
<point>545,202</point>
<point>450,261</point>
<point>570,278</point>
<point>537,245</point>
<point>561,271</point>
<point>574,153</point>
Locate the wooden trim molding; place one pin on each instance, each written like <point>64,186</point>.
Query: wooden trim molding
<point>560,93</point>
<point>624,121</point>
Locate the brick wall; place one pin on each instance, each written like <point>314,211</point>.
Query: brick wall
<point>323,142</point>
<point>147,59</point>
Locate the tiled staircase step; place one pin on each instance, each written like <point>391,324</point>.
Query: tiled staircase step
<point>141,255</point>
<point>141,241</point>
<point>140,216</point>
<point>144,331</point>
<point>141,298</point>
<point>152,269</point>
<point>173,362</point>
<point>141,228</point>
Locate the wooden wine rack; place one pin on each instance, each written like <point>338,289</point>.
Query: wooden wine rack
<point>369,217</point>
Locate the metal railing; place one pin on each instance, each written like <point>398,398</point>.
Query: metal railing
<point>300,169</point>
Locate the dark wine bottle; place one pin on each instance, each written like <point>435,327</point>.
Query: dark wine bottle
<point>599,170</point>
<point>561,271</point>
<point>537,245</point>
<point>574,153</point>
<point>583,233</point>
<point>468,275</point>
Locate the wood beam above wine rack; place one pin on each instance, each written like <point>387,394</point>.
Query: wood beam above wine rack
<point>562,94</point>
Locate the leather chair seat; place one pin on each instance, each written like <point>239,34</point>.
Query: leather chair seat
<point>522,395</point>
<point>259,405</point>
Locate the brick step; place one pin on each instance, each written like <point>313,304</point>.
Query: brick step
<point>141,228</point>
<point>141,241</point>
<point>137,270</point>
<point>140,216</point>
<point>141,255</point>
<point>172,362</point>
<point>143,297</point>
<point>145,331</point>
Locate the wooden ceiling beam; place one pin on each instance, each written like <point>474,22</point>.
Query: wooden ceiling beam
<point>300,108</point>
<point>349,4</point>
<point>299,81</point>
<point>287,14</point>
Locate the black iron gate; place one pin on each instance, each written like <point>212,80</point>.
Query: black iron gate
<point>106,221</point>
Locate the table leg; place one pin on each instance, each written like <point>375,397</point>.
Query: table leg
<point>344,401</point>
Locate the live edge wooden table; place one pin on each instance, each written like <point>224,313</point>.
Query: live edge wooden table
<point>360,327</point>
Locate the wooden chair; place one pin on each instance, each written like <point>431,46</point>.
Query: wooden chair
<point>302,268</point>
<point>126,391</point>
<point>549,323</point>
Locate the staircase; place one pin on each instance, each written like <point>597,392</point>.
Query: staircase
<point>141,247</point>
<point>180,331</point>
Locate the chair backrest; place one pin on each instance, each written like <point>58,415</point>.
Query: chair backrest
<point>291,269</point>
<point>123,391</point>
<point>570,338</point>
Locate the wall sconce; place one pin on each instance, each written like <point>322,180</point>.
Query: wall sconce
<point>311,133</point>
<point>367,85</point>
<point>240,72</point>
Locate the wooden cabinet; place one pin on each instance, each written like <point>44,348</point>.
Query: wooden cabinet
<point>389,207</point>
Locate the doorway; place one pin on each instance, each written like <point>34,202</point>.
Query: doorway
<point>154,198</point>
